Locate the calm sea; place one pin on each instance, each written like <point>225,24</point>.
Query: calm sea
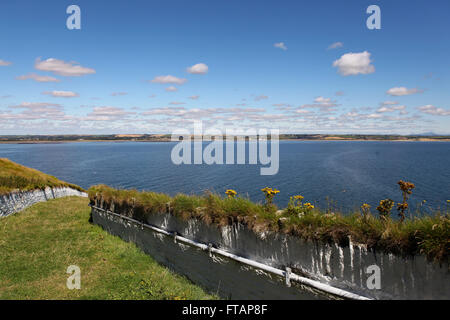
<point>345,173</point>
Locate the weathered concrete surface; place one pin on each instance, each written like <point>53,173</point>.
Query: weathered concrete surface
<point>341,267</point>
<point>18,201</point>
<point>219,275</point>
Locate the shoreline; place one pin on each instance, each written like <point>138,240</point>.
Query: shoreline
<point>167,140</point>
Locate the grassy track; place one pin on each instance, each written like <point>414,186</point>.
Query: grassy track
<point>38,244</point>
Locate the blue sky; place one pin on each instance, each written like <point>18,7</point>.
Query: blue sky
<point>259,64</point>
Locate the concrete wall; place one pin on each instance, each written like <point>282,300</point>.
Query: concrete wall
<point>341,267</point>
<point>18,201</point>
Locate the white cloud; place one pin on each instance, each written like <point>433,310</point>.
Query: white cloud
<point>38,78</point>
<point>261,97</point>
<point>352,114</point>
<point>283,106</point>
<point>354,63</point>
<point>335,45</point>
<point>393,108</point>
<point>171,89</point>
<point>107,113</point>
<point>388,103</point>
<point>176,103</point>
<point>430,109</point>
<point>324,104</point>
<point>322,100</point>
<point>115,94</point>
<point>61,94</point>
<point>402,91</point>
<point>373,116</point>
<point>280,45</point>
<point>62,68</point>
<point>38,110</point>
<point>4,63</point>
<point>199,68</point>
<point>194,97</point>
<point>197,113</point>
<point>169,79</point>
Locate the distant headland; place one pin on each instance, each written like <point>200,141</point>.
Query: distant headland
<point>167,137</point>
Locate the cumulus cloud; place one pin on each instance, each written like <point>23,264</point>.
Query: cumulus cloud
<point>324,104</point>
<point>169,79</point>
<point>107,113</point>
<point>393,108</point>
<point>261,97</point>
<point>199,68</point>
<point>176,103</point>
<point>38,110</point>
<point>38,78</point>
<point>61,94</point>
<point>354,63</point>
<point>335,45</point>
<point>280,45</point>
<point>322,100</point>
<point>4,63</point>
<point>62,68</point>
<point>171,89</point>
<point>402,91</point>
<point>115,94</point>
<point>35,105</point>
<point>194,97</point>
<point>430,109</point>
<point>197,113</point>
<point>282,106</point>
<point>302,111</point>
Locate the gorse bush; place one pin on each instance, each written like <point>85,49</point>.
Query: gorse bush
<point>406,188</point>
<point>427,235</point>
<point>384,208</point>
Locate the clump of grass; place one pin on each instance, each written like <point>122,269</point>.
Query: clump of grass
<point>419,235</point>
<point>15,177</point>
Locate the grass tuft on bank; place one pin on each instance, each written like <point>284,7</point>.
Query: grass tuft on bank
<point>15,177</point>
<point>426,235</point>
<point>38,244</point>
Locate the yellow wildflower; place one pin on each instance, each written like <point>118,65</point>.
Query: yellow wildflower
<point>230,193</point>
<point>308,205</point>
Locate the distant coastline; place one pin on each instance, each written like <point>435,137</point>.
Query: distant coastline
<point>41,139</point>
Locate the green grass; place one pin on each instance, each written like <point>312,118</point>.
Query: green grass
<point>15,177</point>
<point>38,244</point>
<point>426,235</point>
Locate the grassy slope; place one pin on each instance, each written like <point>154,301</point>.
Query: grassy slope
<point>38,244</point>
<point>428,235</point>
<point>14,176</point>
